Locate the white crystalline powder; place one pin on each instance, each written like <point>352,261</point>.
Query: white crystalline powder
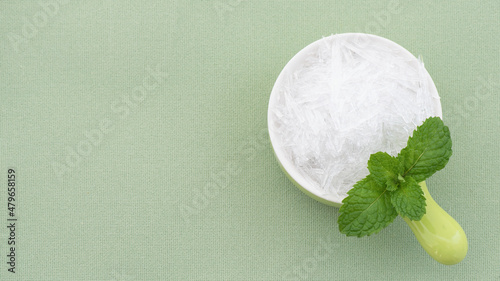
<point>349,100</point>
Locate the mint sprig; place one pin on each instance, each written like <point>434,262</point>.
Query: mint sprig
<point>392,186</point>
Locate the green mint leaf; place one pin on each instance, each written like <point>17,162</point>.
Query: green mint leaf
<point>366,210</point>
<point>427,151</point>
<point>385,170</point>
<point>391,185</point>
<point>409,200</point>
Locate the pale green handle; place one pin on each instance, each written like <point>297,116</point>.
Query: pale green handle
<point>438,233</point>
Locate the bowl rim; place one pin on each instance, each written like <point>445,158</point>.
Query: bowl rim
<point>296,61</point>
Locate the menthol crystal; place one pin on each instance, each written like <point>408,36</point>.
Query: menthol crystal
<point>349,100</point>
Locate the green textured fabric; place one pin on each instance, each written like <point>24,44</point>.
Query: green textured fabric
<point>137,130</point>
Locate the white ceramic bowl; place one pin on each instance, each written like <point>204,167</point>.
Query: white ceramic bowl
<point>297,62</point>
